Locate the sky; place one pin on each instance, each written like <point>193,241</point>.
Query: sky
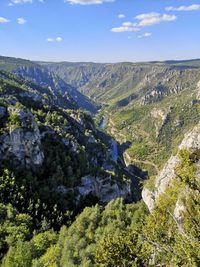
<point>100,30</point>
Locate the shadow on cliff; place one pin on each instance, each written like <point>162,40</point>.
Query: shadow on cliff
<point>134,173</point>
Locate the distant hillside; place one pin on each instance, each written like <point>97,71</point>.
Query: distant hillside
<point>150,104</point>
<point>43,77</point>
<point>184,63</point>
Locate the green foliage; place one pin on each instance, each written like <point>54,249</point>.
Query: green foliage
<point>14,120</point>
<point>140,151</point>
<point>150,183</point>
<point>18,256</point>
<point>92,228</point>
<point>186,169</point>
<point>10,190</point>
<point>42,241</point>
<point>175,241</point>
<point>14,227</point>
<point>50,259</point>
<point>119,250</point>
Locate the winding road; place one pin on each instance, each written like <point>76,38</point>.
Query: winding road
<point>115,154</point>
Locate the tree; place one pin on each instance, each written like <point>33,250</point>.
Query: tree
<point>18,256</point>
<point>121,250</point>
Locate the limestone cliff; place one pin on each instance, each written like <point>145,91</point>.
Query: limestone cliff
<point>191,142</point>
<point>21,143</point>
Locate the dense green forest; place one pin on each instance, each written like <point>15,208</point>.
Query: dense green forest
<point>118,234</point>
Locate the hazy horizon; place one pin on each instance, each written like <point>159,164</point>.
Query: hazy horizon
<point>97,62</point>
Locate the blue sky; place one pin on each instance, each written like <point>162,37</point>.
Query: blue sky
<point>100,30</point>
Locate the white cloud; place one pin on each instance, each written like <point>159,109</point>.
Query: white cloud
<point>121,16</point>
<point>145,35</point>
<point>184,8</point>
<point>50,40</point>
<point>129,24</point>
<point>57,39</point>
<point>125,29</point>
<point>87,2</point>
<point>16,2</point>
<point>4,20</point>
<point>21,21</point>
<point>149,19</point>
<point>143,20</point>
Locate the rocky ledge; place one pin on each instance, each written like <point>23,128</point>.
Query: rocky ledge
<point>21,145</point>
<point>191,142</point>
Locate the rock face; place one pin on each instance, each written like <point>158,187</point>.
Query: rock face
<point>160,117</point>
<point>105,189</point>
<point>179,209</point>
<point>22,144</point>
<point>190,142</point>
<point>41,76</point>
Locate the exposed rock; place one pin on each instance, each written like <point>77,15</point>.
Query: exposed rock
<point>190,142</point>
<point>158,113</point>
<point>22,143</point>
<point>149,198</point>
<point>165,177</point>
<point>104,188</point>
<point>161,118</point>
<point>178,213</point>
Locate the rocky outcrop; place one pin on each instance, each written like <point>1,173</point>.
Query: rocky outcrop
<point>160,117</point>
<point>191,142</point>
<point>178,213</point>
<point>22,145</point>
<point>149,198</point>
<point>105,189</point>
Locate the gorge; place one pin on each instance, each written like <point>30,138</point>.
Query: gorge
<point>98,158</point>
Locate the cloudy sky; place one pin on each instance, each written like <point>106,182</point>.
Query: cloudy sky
<point>100,30</point>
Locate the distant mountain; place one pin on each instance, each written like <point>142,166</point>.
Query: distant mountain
<point>151,105</point>
<point>43,77</point>
<point>183,63</point>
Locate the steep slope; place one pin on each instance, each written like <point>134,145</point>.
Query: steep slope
<point>190,143</point>
<point>56,154</point>
<point>113,82</point>
<point>41,76</point>
<point>150,105</point>
<point>173,199</point>
<point>76,74</point>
